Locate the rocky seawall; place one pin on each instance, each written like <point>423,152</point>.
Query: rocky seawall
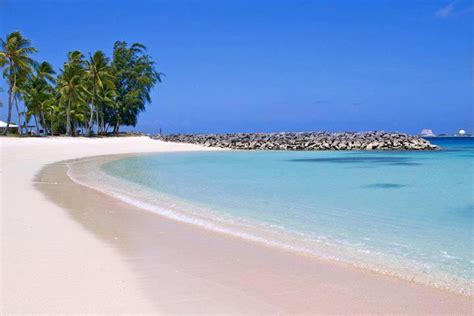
<point>305,141</point>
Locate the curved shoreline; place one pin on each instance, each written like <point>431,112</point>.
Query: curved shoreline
<point>50,263</point>
<point>380,280</point>
<point>174,209</point>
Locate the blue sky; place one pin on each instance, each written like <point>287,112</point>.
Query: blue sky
<point>235,66</point>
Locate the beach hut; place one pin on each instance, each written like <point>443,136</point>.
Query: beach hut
<point>12,128</point>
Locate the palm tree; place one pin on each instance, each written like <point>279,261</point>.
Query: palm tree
<point>20,94</point>
<point>39,91</point>
<point>72,87</point>
<point>14,58</point>
<point>134,77</point>
<point>99,76</point>
<point>45,75</point>
<point>52,111</point>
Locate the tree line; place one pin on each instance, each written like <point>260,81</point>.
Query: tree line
<point>91,94</point>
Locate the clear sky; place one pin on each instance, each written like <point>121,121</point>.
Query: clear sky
<point>236,66</point>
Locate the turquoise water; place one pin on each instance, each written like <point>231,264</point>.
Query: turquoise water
<point>409,214</point>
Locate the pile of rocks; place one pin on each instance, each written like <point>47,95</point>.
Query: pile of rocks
<point>305,141</point>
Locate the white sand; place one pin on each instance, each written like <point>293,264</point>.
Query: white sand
<point>46,255</point>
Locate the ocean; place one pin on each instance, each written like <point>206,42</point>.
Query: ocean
<point>407,214</point>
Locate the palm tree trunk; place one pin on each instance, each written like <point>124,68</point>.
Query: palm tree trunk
<point>10,107</point>
<point>11,96</point>
<point>89,124</point>
<point>20,127</point>
<point>43,122</point>
<point>117,125</point>
<point>68,118</point>
<point>92,113</point>
<point>103,129</point>
<point>23,113</point>
<point>36,123</point>
<point>51,122</point>
<point>91,117</point>
<point>97,119</point>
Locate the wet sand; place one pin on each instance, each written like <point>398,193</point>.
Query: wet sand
<point>186,269</point>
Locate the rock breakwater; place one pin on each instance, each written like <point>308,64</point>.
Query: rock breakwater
<point>305,141</point>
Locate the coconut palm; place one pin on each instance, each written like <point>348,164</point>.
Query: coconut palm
<point>99,76</point>
<point>14,58</point>
<point>45,76</point>
<point>134,77</point>
<point>72,88</point>
<point>45,72</point>
<point>52,111</point>
<point>39,91</point>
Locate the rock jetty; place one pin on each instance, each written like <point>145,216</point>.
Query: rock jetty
<point>305,141</point>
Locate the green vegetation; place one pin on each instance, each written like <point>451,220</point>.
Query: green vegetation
<point>94,95</point>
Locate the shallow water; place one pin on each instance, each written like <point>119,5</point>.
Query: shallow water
<point>409,214</point>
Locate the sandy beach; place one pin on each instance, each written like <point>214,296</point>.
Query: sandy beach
<point>67,248</point>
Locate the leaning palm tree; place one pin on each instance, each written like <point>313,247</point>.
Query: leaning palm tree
<point>72,87</point>
<point>14,58</point>
<point>37,91</point>
<point>98,76</point>
<point>44,81</point>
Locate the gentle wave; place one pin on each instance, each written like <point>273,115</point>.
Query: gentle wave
<point>88,172</point>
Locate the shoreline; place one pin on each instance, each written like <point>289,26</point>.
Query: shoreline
<point>64,254</point>
<point>248,252</point>
<point>49,263</point>
<point>87,172</point>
